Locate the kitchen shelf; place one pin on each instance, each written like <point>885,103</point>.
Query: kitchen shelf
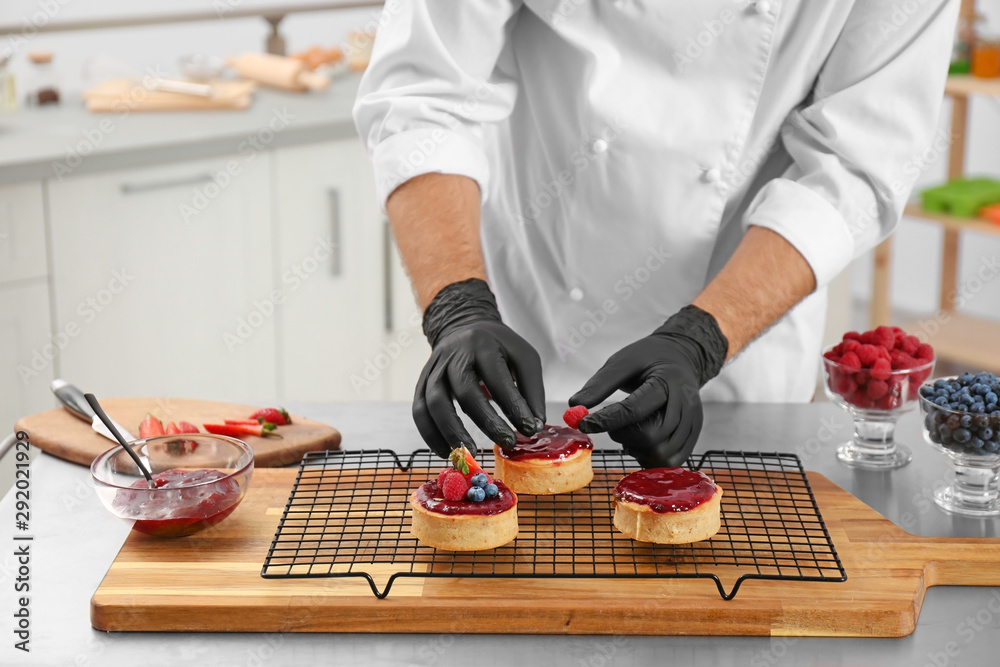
<point>962,338</point>
<point>963,85</point>
<point>959,337</point>
<point>953,222</point>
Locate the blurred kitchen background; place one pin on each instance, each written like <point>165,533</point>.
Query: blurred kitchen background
<point>232,248</point>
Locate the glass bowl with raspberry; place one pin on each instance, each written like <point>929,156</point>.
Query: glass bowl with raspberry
<point>198,480</point>
<point>876,377</point>
<point>962,420</point>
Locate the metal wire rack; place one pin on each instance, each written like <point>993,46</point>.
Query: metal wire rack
<point>348,516</point>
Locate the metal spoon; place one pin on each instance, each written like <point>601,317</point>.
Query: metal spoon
<point>103,416</point>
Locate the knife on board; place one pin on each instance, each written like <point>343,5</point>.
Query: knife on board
<point>73,400</point>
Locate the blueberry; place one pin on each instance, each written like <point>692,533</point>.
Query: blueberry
<point>930,422</point>
<point>476,494</point>
<point>954,421</point>
<point>984,377</point>
<point>940,383</point>
<point>966,378</point>
<point>954,386</point>
<point>980,420</point>
<point>491,490</point>
<point>944,431</point>
<point>934,436</point>
<point>986,433</point>
<point>992,407</point>
<point>965,421</point>
<point>976,443</point>
<point>479,479</point>
<point>966,399</point>
<point>942,392</point>
<point>961,407</point>
<point>995,418</point>
<point>926,390</point>
<point>979,389</point>
<point>992,446</point>
<point>941,400</point>
<point>977,408</point>
<point>962,435</point>
<point>953,405</point>
<point>991,397</point>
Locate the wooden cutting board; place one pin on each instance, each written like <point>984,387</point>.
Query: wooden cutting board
<point>211,582</point>
<point>59,433</point>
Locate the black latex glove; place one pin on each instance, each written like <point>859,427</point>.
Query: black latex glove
<point>470,344</point>
<point>659,422</point>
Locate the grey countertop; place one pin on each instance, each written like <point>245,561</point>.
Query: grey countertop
<point>75,540</point>
<point>38,143</point>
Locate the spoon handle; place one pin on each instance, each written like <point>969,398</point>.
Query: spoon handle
<point>103,416</point>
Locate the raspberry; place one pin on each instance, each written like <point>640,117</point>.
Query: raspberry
<point>440,479</point>
<point>843,384</point>
<point>884,353</point>
<point>881,370</point>
<point>573,416</point>
<point>909,344</point>
<point>901,360</point>
<point>852,335</point>
<point>868,338</point>
<point>867,354</point>
<point>850,361</point>
<point>850,345</point>
<point>888,402</point>
<point>876,388</point>
<point>832,355</point>
<point>455,485</point>
<point>924,351</point>
<point>884,336</point>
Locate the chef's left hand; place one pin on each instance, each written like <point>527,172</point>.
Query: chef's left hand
<point>659,422</point>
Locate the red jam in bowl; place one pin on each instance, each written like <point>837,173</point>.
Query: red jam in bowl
<point>176,507</point>
<point>429,495</point>
<point>552,442</point>
<point>666,489</point>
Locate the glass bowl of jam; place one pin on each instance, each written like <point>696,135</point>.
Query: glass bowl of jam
<point>198,480</point>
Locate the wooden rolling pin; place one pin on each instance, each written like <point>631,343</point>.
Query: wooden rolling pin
<point>277,71</point>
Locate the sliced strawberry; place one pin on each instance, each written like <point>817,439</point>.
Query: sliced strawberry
<point>242,422</point>
<point>187,427</point>
<point>172,429</point>
<point>150,427</point>
<point>239,430</point>
<point>276,416</point>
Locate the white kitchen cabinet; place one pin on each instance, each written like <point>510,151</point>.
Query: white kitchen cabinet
<point>167,273</point>
<point>332,322</point>
<point>27,351</point>
<point>22,232</point>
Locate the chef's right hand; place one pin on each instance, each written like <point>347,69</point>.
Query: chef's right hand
<point>471,344</point>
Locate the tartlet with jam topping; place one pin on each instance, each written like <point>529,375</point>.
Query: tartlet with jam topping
<point>668,506</point>
<point>464,509</point>
<point>555,460</point>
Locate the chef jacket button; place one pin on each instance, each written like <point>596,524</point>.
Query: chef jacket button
<point>576,294</point>
<point>713,175</point>
<point>599,146</point>
<point>762,7</point>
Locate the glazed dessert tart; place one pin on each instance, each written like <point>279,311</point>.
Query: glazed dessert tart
<point>668,506</point>
<point>464,509</point>
<point>556,460</point>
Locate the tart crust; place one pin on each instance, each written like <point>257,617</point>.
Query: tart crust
<point>641,522</point>
<point>543,477</point>
<point>462,532</point>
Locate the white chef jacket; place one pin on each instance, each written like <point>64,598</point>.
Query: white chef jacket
<point>623,147</point>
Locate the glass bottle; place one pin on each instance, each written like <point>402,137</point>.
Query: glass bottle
<point>43,86</point>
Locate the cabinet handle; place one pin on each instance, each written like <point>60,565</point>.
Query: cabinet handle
<point>387,274</point>
<point>333,195</point>
<point>132,188</point>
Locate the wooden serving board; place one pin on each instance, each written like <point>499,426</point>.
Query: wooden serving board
<point>211,582</point>
<point>59,433</point>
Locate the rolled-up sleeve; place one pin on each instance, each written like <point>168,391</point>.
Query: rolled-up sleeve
<point>856,145</point>
<point>432,84</point>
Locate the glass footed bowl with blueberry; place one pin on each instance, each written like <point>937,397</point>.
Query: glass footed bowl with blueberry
<point>962,420</point>
<point>876,384</point>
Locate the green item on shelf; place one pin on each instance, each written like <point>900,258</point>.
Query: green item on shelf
<point>960,67</point>
<point>962,197</point>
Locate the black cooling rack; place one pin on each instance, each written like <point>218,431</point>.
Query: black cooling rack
<point>348,516</point>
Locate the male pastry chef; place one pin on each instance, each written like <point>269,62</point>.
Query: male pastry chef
<point>638,196</point>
